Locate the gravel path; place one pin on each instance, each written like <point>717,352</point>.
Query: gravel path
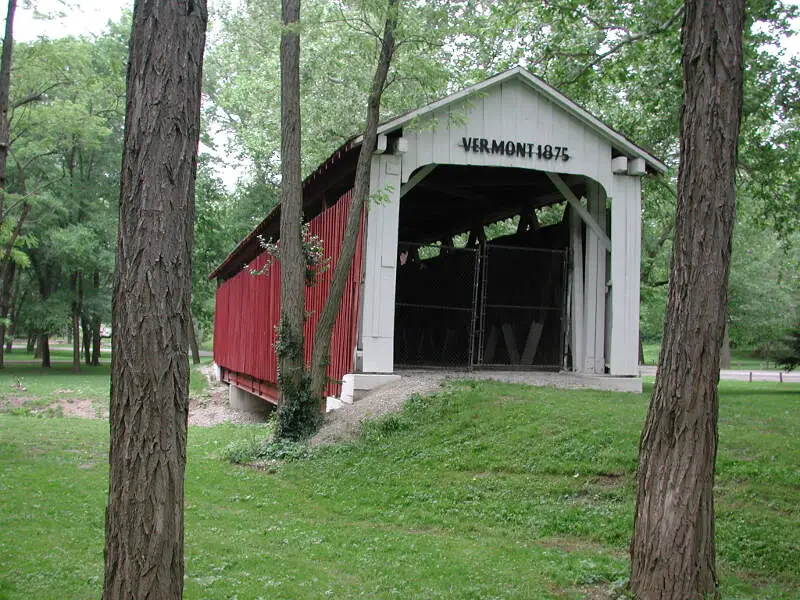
<point>343,424</point>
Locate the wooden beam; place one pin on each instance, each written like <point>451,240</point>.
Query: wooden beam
<point>573,201</point>
<point>382,144</point>
<point>456,193</point>
<point>416,179</point>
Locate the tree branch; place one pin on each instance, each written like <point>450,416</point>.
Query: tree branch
<point>37,96</point>
<point>627,41</point>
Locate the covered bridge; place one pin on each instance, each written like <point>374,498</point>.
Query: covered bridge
<point>429,287</point>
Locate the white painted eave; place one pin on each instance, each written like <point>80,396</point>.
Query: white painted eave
<point>616,140</point>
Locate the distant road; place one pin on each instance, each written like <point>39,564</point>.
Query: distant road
<point>105,349</point>
<point>740,375</point>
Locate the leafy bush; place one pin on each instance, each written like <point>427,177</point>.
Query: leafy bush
<point>299,414</point>
<point>242,451</point>
<point>285,450</point>
<point>250,450</point>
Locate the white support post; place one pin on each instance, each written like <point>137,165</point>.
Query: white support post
<point>380,265</point>
<point>626,232</point>
<point>595,284</point>
<point>588,218</point>
<point>577,324</point>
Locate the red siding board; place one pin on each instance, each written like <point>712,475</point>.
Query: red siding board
<point>248,310</point>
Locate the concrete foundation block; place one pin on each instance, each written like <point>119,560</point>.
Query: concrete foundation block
<point>364,382</point>
<point>245,401</point>
<point>348,388</point>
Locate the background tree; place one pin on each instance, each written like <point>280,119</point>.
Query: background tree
<point>297,411</point>
<point>10,229</point>
<point>150,371</point>
<point>672,551</point>
<point>337,66</point>
<point>68,150</point>
<point>320,356</point>
<point>221,216</point>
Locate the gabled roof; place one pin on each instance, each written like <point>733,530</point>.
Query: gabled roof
<point>249,245</point>
<point>617,141</point>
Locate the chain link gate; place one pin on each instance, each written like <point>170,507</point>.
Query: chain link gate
<point>435,310</point>
<point>496,307</point>
<point>521,319</point>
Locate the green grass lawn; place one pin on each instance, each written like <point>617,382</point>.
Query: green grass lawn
<point>485,490</point>
<point>56,355</point>
<point>28,387</point>
<point>744,360</point>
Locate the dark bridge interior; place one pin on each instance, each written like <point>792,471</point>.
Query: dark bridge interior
<point>488,303</point>
<point>454,199</point>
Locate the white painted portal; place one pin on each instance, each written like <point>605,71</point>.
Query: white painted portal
<point>466,129</point>
<point>380,264</point>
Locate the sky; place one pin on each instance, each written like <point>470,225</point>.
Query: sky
<point>84,17</point>
<point>57,18</point>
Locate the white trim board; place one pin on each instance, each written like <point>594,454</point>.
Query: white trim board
<point>616,140</point>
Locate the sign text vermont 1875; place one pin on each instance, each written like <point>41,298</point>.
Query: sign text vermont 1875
<point>515,148</point>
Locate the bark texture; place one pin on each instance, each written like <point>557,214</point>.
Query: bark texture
<point>320,356</point>
<point>152,284</point>
<point>5,88</point>
<point>672,551</point>
<point>5,142</point>
<point>291,365</point>
<point>43,349</point>
<point>6,304</point>
<point>77,302</point>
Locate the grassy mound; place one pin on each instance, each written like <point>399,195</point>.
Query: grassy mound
<point>484,490</point>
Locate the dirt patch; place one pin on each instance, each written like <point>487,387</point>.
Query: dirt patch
<point>207,410</point>
<point>76,407</point>
<point>212,408</point>
<point>608,479</point>
<point>14,401</point>
<point>599,593</point>
<point>67,407</point>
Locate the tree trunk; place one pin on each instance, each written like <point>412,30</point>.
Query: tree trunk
<point>6,302</point>
<point>76,322</point>
<point>94,325</point>
<point>725,351</point>
<point>5,88</point>
<point>30,347</point>
<point>152,287</point>
<point>86,334</point>
<point>12,331</point>
<point>96,341</point>
<point>43,349</point>
<point>672,550</point>
<point>322,336</point>
<point>293,390</point>
<point>5,144</point>
<point>17,302</point>
<point>641,350</point>
<point>193,340</point>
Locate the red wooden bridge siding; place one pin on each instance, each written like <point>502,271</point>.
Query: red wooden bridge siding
<point>248,310</point>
